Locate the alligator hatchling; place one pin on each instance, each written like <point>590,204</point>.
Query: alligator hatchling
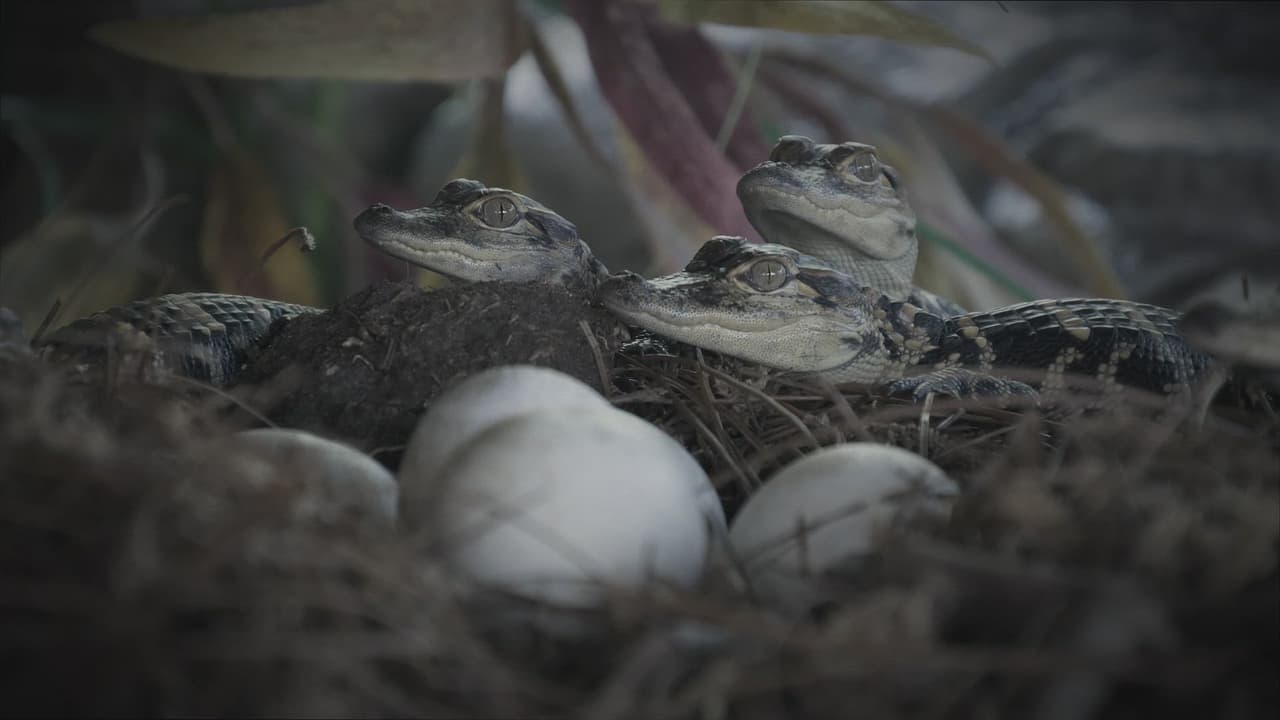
<point>839,203</point>
<point>772,305</point>
<point>476,233</point>
<point>765,303</point>
<point>203,336</point>
<point>469,232</point>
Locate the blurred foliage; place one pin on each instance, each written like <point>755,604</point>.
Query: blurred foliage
<point>292,121</point>
<point>871,17</point>
<point>242,215</point>
<point>338,39</point>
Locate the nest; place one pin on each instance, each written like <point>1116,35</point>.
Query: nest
<point>1098,565</point>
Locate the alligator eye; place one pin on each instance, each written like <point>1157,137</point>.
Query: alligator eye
<point>864,165</point>
<point>767,275</point>
<point>499,212</point>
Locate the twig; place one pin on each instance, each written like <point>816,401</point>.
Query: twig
<point>747,478</point>
<point>741,91</point>
<point>105,256</point>
<point>48,319</point>
<point>848,417</point>
<point>804,429</point>
<point>306,243</point>
<point>605,385</point>
<point>227,396</point>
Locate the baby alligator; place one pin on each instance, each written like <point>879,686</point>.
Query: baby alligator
<point>198,335</point>
<point>475,233</point>
<point>840,204</point>
<point>469,232</point>
<point>775,306</point>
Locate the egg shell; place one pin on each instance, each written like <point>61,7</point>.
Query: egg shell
<point>553,504</point>
<point>823,510</point>
<point>471,407</point>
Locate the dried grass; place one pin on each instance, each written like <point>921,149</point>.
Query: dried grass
<point>1097,566</point>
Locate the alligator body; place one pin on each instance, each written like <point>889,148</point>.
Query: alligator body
<point>775,306</point>
<point>469,232</point>
<point>203,336</point>
<point>765,303</point>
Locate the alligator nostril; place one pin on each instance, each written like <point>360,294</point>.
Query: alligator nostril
<point>379,209</point>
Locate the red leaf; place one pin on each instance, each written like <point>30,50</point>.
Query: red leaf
<point>697,69</point>
<point>632,78</point>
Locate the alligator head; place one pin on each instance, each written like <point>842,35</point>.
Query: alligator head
<point>476,233</point>
<point>767,304</point>
<point>838,203</point>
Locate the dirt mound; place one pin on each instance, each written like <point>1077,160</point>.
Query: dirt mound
<point>366,370</point>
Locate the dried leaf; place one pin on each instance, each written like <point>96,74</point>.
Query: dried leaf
<point>69,257</point>
<point>999,160</point>
<point>657,115</point>
<point>389,40</point>
<point>696,68</point>
<point>488,158</point>
<point>673,229</point>
<point>560,90</point>
<point>960,256</point>
<point>870,17</point>
<point>243,217</point>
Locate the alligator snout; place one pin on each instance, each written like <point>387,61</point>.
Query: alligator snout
<point>616,287</point>
<point>373,217</point>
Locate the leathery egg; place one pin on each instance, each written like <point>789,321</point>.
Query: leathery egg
<point>823,511</point>
<point>558,505</point>
<point>469,408</point>
<point>338,478</point>
<point>485,399</point>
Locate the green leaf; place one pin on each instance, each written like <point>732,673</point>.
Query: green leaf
<point>867,17</point>
<point>387,40</point>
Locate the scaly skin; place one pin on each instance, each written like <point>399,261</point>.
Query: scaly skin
<point>840,204</point>
<point>469,232</point>
<point>204,336</point>
<point>475,233</point>
<point>772,305</point>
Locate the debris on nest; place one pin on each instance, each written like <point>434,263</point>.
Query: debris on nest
<point>367,369</point>
<point>744,422</point>
<point>1097,565</point>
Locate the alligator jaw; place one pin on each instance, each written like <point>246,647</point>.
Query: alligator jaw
<point>784,332</point>
<point>444,238</point>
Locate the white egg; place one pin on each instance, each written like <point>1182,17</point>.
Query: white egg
<point>557,504</point>
<point>336,479</point>
<point>823,510</point>
<point>469,408</point>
